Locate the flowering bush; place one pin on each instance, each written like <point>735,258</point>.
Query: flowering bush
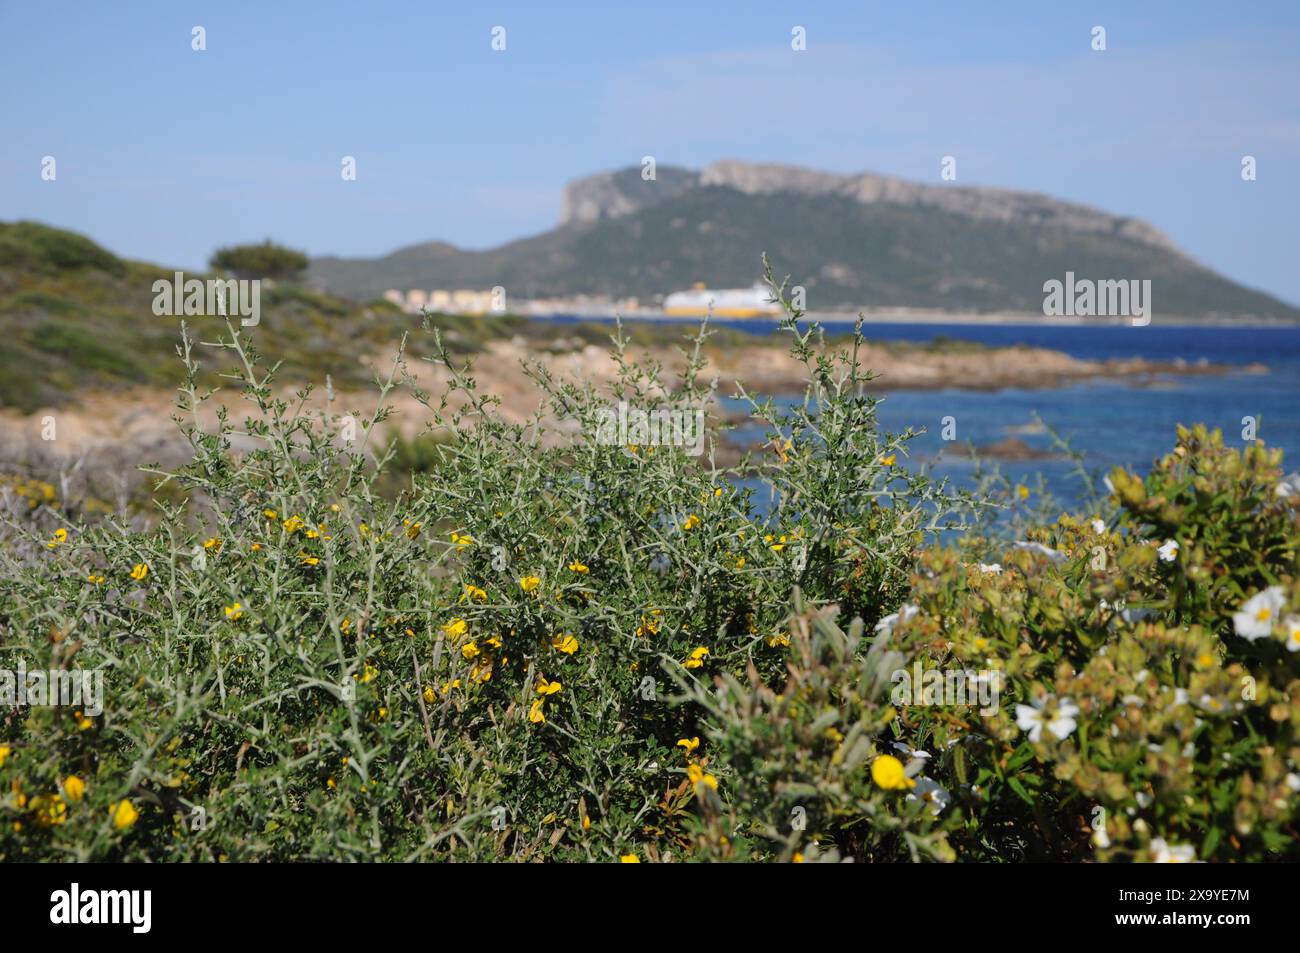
<point>1147,666</point>
<point>296,666</point>
<point>545,645</point>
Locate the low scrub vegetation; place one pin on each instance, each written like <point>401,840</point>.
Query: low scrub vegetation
<point>544,645</point>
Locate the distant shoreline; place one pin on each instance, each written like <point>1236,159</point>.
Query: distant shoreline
<point>930,317</point>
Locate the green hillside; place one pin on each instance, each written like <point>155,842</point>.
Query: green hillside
<point>75,318</point>
<point>847,254</point>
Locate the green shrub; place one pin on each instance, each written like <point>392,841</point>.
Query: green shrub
<point>551,644</point>
<point>479,668</point>
<point>266,260</point>
<point>1175,730</point>
<point>40,247</point>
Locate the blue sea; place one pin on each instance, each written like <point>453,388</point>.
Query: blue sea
<point>1110,421</point>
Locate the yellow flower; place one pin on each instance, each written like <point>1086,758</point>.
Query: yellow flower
<point>455,629</point>
<point>690,744</point>
<point>629,859</point>
<point>781,639</point>
<point>692,521</point>
<point>124,814</point>
<point>412,529</point>
<point>234,611</point>
<point>547,688</point>
<point>649,624</point>
<point>308,559</point>
<point>213,542</point>
<point>368,673</point>
<point>139,571</point>
<point>740,562</point>
<point>293,523</point>
<point>529,583</point>
<point>565,643</point>
<point>535,713</point>
<point>5,751</point>
<point>430,695</point>
<point>94,579</point>
<point>74,787</point>
<point>576,566</point>
<point>887,772</point>
<point>889,460</point>
<point>256,547</point>
<point>270,514</point>
<point>50,809</point>
<point>475,593</point>
<point>697,776</point>
<point>697,658</point>
<point>60,536</point>
<point>462,539</point>
<point>469,650</point>
<point>1022,491</point>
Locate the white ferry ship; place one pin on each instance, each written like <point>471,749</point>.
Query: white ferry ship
<point>724,302</point>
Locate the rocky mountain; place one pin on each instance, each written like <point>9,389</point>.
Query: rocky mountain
<point>854,241</point>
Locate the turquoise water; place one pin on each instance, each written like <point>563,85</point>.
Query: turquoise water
<point>1111,422</point>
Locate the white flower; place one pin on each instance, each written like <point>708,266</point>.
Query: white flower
<point>1290,485</point>
<point>1057,718</point>
<point>1208,702</point>
<point>1255,620</point>
<point>1293,781</point>
<point>886,625</point>
<point>933,794</point>
<point>903,748</point>
<point>1169,551</point>
<point>1054,555</point>
<point>1162,853</point>
<point>1291,626</point>
<point>1099,527</point>
<point>993,568</point>
<point>1142,797</point>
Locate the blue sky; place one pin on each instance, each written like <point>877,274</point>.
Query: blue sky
<point>165,153</point>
